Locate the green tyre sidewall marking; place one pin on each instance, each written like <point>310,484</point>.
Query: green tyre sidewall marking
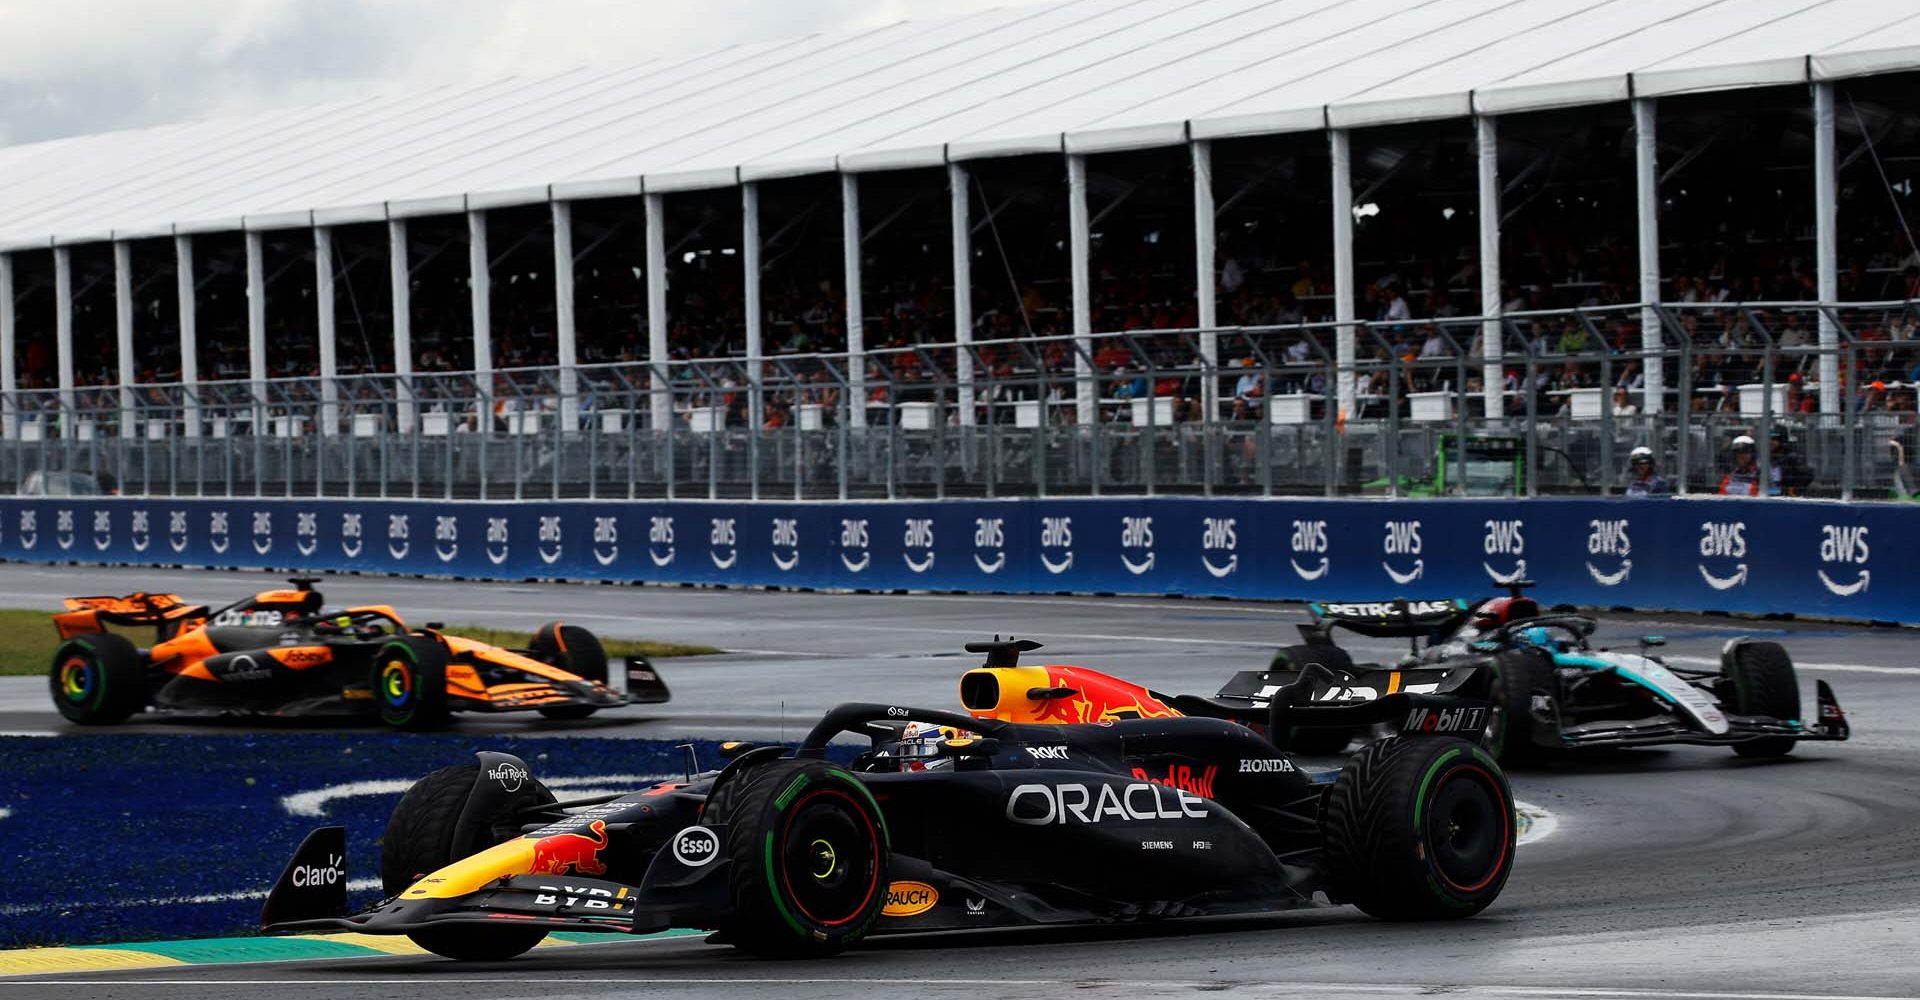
<point>1419,809</point>
<point>780,803</point>
<point>99,693</point>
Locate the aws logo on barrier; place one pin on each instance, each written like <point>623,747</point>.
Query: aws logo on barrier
<point>1608,540</point>
<point>178,533</point>
<point>1721,541</point>
<point>102,530</point>
<point>262,531</point>
<point>1136,535</point>
<point>990,544</point>
<point>1056,534</point>
<point>853,544</point>
<point>786,543</point>
<point>499,540</point>
<point>1504,540</point>
<point>1844,546</point>
<point>548,540</point>
<point>917,544</point>
<point>352,537</point>
<point>139,530</point>
<point>446,537</point>
<point>306,532</point>
<point>723,543</point>
<point>399,535</point>
<point>217,536</point>
<point>606,540</point>
<point>1309,540</point>
<point>63,528</point>
<point>660,541</point>
<point>1220,534</point>
<point>1403,539</point>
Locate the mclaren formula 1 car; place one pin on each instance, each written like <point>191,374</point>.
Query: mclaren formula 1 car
<point>1553,689</point>
<point>947,821</point>
<point>281,652</point>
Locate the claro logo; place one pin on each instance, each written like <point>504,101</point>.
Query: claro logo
<point>308,876</point>
<point>1142,801</point>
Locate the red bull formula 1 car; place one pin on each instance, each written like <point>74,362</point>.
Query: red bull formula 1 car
<point>1553,689</point>
<point>946,821</point>
<point>281,652</point>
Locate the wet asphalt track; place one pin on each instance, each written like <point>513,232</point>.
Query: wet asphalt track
<point>1676,873</point>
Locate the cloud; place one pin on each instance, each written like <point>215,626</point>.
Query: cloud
<point>70,67</point>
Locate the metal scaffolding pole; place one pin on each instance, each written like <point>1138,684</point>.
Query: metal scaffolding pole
<point>1646,163</point>
<point>123,332</point>
<point>1343,267</point>
<point>189,334</point>
<point>480,294</point>
<point>959,209</point>
<point>856,312</point>
<point>750,280</point>
<point>257,318</point>
<point>660,404</point>
<point>1206,281</point>
<point>563,316</point>
<point>63,333</point>
<point>1085,408</point>
<point>1826,244</point>
<point>329,330</point>
<point>8,377</point>
<point>1487,143</point>
<point>401,274</point>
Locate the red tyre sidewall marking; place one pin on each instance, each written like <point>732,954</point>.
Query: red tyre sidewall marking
<point>873,838</point>
<point>1506,827</point>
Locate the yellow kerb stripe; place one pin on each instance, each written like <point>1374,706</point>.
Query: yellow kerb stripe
<point>37,961</point>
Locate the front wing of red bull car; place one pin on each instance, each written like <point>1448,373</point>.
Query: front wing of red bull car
<point>784,853</point>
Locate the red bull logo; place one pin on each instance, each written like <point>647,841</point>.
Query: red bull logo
<point>571,852</point>
<point>1097,696</point>
<point>1184,778</point>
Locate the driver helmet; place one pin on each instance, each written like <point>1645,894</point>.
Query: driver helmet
<point>918,748</point>
<point>1537,636</point>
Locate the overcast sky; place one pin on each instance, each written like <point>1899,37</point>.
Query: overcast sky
<point>69,67</point>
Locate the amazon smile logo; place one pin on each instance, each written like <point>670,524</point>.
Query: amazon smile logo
<point>918,538</point>
<point>262,531</point>
<point>399,528</point>
<point>1844,549</point>
<point>1056,533</point>
<point>606,541</point>
<point>140,531</point>
<point>217,531</point>
<point>351,539</point>
<point>30,528</point>
<point>1309,542</point>
<point>660,540</point>
<point>1402,540</point>
<point>722,543</point>
<point>1220,534</point>
<point>990,544</point>
<point>306,532</point>
<point>63,528</point>
<point>1136,536</point>
<point>102,530</point>
<point>853,544</point>
<point>1504,540</point>
<point>498,537</point>
<point>548,543</point>
<point>786,543</point>
<point>1609,544</point>
<point>1721,541</point>
<point>446,537</point>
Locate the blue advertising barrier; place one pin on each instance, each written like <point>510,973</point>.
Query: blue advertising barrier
<point>1706,554</point>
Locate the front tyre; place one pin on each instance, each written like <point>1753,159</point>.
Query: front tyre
<point>808,848</point>
<point>98,680</point>
<point>1419,829</point>
<point>575,650</point>
<point>410,683</point>
<point>1763,683</point>
<point>419,841</point>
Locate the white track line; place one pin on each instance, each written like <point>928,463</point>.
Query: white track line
<point>1845,668</point>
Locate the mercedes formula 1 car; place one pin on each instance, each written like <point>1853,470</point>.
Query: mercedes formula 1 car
<point>281,652</point>
<point>1552,688</point>
<point>947,821</point>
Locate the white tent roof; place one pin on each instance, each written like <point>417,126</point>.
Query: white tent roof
<point>1087,76</point>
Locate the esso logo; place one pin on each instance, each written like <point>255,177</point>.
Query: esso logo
<point>695,846</point>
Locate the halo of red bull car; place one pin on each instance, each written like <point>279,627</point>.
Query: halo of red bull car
<point>1066,795</point>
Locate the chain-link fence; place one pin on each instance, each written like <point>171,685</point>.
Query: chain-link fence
<point>1530,404</point>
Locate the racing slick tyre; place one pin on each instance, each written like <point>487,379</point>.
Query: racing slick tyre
<point>1517,673</point>
<point>98,680</point>
<point>1419,829</point>
<point>419,840</point>
<point>1764,684</point>
<point>808,848</point>
<point>410,682</point>
<point>575,650</point>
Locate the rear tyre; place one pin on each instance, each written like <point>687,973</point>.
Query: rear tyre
<point>1764,684</point>
<point>98,680</point>
<point>410,683</point>
<point>575,650</point>
<point>1517,673</point>
<point>419,841</point>
<point>1419,829</point>
<point>808,848</point>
